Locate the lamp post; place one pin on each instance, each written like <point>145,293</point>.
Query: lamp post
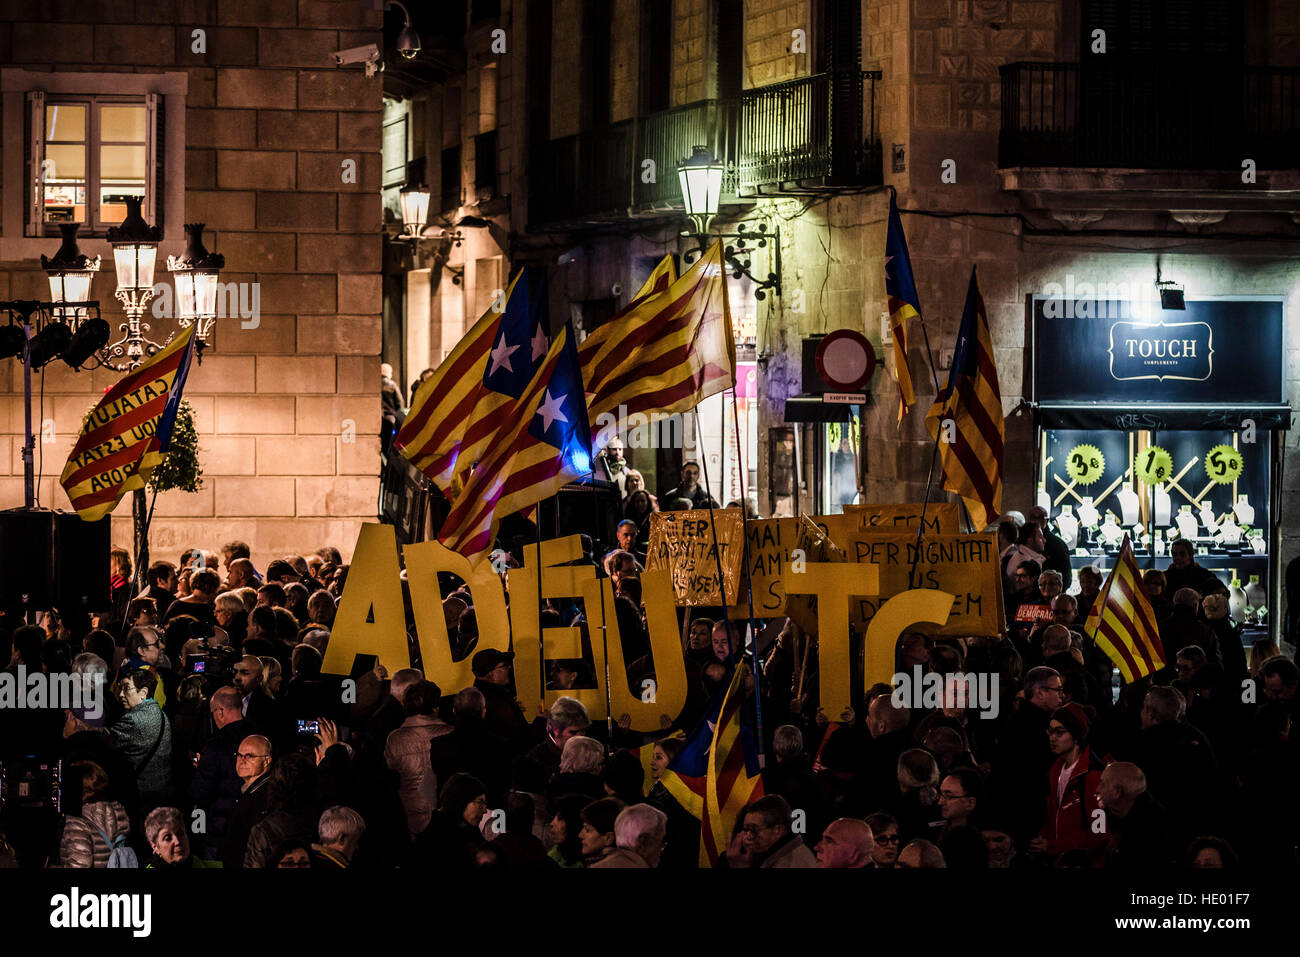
<point>135,253</point>
<point>700,178</point>
<point>195,274</point>
<point>70,273</point>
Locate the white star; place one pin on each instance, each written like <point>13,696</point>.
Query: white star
<point>540,344</point>
<point>549,410</point>
<point>501,356</point>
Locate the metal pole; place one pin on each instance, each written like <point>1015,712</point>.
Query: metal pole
<point>29,441</point>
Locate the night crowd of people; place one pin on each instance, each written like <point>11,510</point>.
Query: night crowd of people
<point>222,743</point>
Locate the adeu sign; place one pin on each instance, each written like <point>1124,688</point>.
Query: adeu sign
<point>1179,350</point>
<point>371,620</point>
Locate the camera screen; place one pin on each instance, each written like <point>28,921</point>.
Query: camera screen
<point>308,727</point>
<point>200,666</point>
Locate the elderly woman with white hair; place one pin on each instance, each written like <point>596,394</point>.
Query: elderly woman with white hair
<point>164,829</point>
<point>582,765</point>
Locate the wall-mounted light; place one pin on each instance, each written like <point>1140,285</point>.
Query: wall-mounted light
<point>195,274</point>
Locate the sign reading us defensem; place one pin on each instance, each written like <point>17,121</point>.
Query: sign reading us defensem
<point>1215,352</point>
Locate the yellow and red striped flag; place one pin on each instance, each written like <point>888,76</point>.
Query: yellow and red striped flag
<point>1123,622</point>
<point>128,432</point>
<point>670,349</point>
<point>455,413</point>
<point>900,287</point>
<point>718,770</point>
<point>544,443</point>
<point>968,413</point>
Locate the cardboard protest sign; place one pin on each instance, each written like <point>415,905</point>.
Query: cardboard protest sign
<point>689,547</point>
<point>965,565</point>
<point>941,518</point>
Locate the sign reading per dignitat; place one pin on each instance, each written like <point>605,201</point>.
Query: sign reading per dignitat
<point>688,545</point>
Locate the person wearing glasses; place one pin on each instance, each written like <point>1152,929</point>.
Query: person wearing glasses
<point>144,649</point>
<point>216,782</point>
<point>253,766</point>
<point>143,736</point>
<point>768,839</point>
<point>1074,813</point>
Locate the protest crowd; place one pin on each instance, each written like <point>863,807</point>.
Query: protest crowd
<point>222,743</point>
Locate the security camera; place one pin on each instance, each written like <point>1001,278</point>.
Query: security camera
<point>368,54</point>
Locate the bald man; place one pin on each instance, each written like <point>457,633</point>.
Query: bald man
<point>846,843</point>
<point>1141,835</point>
<point>216,784</point>
<point>242,574</point>
<point>921,855</point>
<point>253,767</point>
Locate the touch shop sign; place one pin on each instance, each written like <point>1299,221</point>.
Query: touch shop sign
<point>1219,353</point>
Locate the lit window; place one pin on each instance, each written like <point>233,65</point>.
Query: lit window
<point>95,151</point>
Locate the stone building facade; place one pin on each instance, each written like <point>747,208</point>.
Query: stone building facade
<point>936,97</point>
<point>276,149</point>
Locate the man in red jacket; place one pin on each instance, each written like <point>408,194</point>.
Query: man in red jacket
<point>1075,819</point>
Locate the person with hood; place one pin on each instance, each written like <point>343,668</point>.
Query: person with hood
<point>1072,784</point>
<point>449,842</point>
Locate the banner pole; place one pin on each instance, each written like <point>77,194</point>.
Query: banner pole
<point>749,584</point>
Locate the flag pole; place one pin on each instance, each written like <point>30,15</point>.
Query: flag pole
<point>749,583</point>
<point>717,554</point>
<point>604,619</point>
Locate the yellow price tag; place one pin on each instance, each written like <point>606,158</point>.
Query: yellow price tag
<point>1154,465</point>
<point>1085,464</point>
<point>1224,465</point>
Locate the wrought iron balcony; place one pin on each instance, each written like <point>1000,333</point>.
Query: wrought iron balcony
<point>814,133</point>
<point>1145,117</point>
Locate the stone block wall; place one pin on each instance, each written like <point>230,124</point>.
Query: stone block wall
<point>287,408</point>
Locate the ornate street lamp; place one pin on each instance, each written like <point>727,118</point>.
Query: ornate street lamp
<point>701,182</point>
<point>195,275</point>
<point>135,253</point>
<point>70,273</point>
<point>700,178</point>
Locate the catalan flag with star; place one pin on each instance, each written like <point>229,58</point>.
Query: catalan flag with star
<point>543,444</point>
<point>717,771</point>
<point>966,417</point>
<point>904,303</point>
<point>128,431</point>
<point>1123,623</point>
<point>456,413</point>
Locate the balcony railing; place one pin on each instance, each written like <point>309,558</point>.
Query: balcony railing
<point>814,133</point>
<point>1144,117</point>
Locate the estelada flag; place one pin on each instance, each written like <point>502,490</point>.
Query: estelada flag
<point>128,431</point>
<point>904,303</point>
<point>1123,623</point>
<point>717,772</point>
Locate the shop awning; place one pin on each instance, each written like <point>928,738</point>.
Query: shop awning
<point>813,408</point>
<point>1127,417</point>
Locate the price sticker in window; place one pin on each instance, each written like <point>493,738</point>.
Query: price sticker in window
<point>1223,465</point>
<point>1154,465</point>
<point>1085,464</point>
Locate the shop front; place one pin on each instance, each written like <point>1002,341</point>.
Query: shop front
<point>1166,425</point>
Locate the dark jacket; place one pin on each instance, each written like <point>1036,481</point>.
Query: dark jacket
<point>1180,629</point>
<point>1019,776</point>
<point>472,748</point>
<point>163,599</point>
<point>504,716</point>
<point>216,785</point>
<point>249,808</point>
<point>445,845</point>
<point>1182,773</point>
<point>1058,558</point>
<point>1142,840</point>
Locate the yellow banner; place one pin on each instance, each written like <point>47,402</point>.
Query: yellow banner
<point>687,545</point>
